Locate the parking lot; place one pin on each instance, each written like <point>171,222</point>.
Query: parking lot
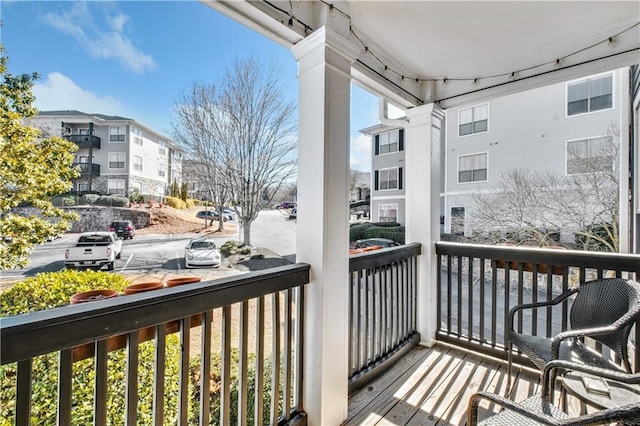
<point>162,255</point>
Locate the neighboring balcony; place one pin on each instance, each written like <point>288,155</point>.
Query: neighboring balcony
<point>87,169</point>
<point>256,323</point>
<point>84,141</point>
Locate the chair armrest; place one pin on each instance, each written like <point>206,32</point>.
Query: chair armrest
<point>476,398</point>
<point>555,301</point>
<point>582,332</point>
<point>622,415</point>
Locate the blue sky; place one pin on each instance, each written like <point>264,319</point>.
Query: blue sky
<point>133,58</point>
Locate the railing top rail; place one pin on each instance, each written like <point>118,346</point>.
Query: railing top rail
<point>37,333</point>
<point>372,259</point>
<point>549,256</point>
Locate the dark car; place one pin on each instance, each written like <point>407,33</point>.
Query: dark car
<point>213,215</point>
<point>370,242</point>
<point>123,228</point>
<point>287,205</point>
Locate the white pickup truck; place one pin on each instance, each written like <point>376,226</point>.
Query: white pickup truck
<point>94,249</point>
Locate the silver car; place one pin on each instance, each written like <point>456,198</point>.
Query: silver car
<point>201,252</point>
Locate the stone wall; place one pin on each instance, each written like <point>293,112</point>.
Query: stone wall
<point>98,218</point>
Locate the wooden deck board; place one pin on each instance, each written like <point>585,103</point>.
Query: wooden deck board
<point>432,386</point>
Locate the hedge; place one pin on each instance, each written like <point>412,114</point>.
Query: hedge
<point>176,203</point>
<point>390,230</point>
<point>49,290</point>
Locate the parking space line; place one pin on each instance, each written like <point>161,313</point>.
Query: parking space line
<point>127,262</point>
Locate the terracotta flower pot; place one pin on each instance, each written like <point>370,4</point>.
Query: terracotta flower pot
<point>92,296</point>
<point>184,280</point>
<point>142,287</point>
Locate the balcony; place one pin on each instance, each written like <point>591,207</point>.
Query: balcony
<point>84,141</point>
<point>256,323</point>
<point>87,169</point>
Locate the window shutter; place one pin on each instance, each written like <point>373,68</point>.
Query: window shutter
<point>401,140</point>
<point>375,185</point>
<point>399,177</point>
<point>377,148</point>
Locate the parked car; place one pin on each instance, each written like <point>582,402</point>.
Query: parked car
<point>370,242</point>
<point>293,214</point>
<point>201,252</point>
<point>123,228</point>
<point>94,249</point>
<point>287,205</point>
<point>231,213</point>
<point>212,215</point>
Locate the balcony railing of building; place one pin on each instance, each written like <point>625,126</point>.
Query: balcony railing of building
<point>257,320</point>
<point>382,316</point>
<point>84,141</point>
<point>478,285</point>
<point>88,168</point>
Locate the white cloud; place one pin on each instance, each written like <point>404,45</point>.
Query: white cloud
<point>98,41</point>
<point>59,92</point>
<point>361,153</point>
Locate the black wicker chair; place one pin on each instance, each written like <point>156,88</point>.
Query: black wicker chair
<point>604,310</point>
<point>537,410</point>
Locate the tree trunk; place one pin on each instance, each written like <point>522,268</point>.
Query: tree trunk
<point>246,233</point>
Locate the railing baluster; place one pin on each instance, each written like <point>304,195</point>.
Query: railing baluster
<point>549,297</point>
<point>100,389</point>
<point>131,398</point>
<point>405,299</point>
<point>367,318</point>
<point>439,293</point>
<point>205,368</point>
<point>158,381</point>
<point>459,296</point>
<point>242,366</point>
<point>259,395</point>
<point>65,375</point>
<point>482,283</point>
<point>385,304</point>
<point>352,334</point>
<point>494,301</point>
<point>23,392</point>
<point>286,410</point>
<point>507,294</point>
<point>225,373</point>
<point>470,300</point>
<point>358,318</point>
<point>565,304</point>
<point>299,347</point>
<point>534,299</point>
<point>183,393</point>
<point>275,355</point>
<point>380,301</point>
<point>520,294</point>
<point>449,296</point>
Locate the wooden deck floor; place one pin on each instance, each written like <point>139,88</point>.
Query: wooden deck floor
<point>431,386</point>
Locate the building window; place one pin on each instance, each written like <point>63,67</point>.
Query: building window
<point>137,163</point>
<point>392,141</point>
<point>457,221</point>
<point>117,160</point>
<point>591,94</point>
<point>388,212</point>
<point>472,168</point>
<point>162,169</point>
<point>137,136</point>
<point>117,134</point>
<point>589,156</point>
<point>116,186</point>
<point>83,131</point>
<point>474,119</point>
<point>162,150</point>
<point>387,179</point>
<point>82,187</point>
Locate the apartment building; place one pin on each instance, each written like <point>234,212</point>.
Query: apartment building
<point>116,155</point>
<point>537,130</point>
<point>387,162</point>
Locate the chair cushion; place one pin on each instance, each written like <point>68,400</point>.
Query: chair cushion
<point>534,404</point>
<point>538,349</point>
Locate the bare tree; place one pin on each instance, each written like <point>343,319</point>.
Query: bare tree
<point>240,128</point>
<point>533,207</point>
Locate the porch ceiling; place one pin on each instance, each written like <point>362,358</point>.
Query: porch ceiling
<point>459,41</point>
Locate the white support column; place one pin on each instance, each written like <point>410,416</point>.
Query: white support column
<point>424,144</point>
<point>324,60</point>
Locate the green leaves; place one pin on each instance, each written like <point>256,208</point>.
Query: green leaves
<point>31,171</point>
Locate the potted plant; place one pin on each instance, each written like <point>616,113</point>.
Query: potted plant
<point>92,296</point>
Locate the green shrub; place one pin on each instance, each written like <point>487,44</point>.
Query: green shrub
<point>234,247</point>
<point>176,203</point>
<point>64,200</point>
<point>112,201</point>
<point>49,290</point>
<point>88,199</point>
